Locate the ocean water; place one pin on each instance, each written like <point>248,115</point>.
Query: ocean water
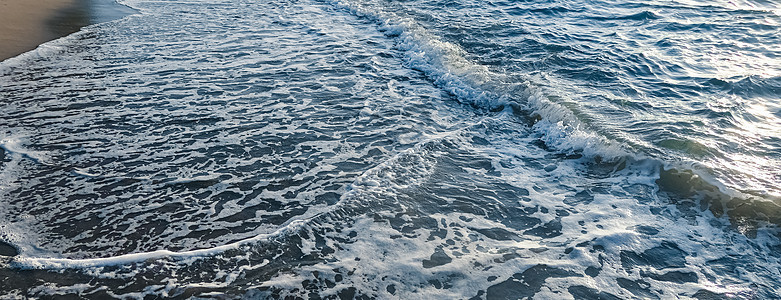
<point>340,149</point>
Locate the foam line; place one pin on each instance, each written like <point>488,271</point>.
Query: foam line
<point>13,145</point>
<point>67,263</point>
<point>472,83</point>
<point>369,179</point>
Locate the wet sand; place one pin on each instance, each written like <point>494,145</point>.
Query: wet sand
<point>25,24</point>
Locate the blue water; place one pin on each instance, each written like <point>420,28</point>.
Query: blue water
<point>397,149</point>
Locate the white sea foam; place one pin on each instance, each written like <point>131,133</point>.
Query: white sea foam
<point>47,49</point>
<point>15,146</point>
<point>387,264</point>
<point>402,171</point>
<point>445,63</point>
<point>475,84</point>
<point>440,194</point>
<point>28,262</point>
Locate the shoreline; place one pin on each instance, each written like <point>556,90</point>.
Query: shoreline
<point>25,24</point>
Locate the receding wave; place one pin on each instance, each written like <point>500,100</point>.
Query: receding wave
<point>474,84</point>
<point>378,149</point>
<point>447,65</point>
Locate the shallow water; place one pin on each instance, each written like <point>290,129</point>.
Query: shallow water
<point>379,149</point>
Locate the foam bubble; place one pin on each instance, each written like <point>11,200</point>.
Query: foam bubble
<point>15,146</point>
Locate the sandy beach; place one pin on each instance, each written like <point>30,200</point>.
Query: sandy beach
<point>24,24</point>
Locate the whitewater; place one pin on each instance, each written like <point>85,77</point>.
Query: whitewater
<point>358,149</point>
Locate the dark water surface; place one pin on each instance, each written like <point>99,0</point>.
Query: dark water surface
<point>397,149</point>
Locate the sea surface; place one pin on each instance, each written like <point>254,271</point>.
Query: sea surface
<point>414,149</point>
